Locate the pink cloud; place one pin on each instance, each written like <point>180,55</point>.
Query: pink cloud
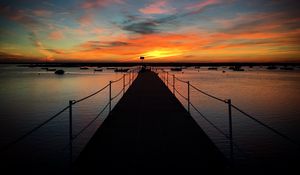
<point>56,35</point>
<point>198,7</point>
<point>42,13</point>
<point>89,4</point>
<point>158,7</point>
<point>86,19</point>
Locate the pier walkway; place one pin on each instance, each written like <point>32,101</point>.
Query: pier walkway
<point>149,132</point>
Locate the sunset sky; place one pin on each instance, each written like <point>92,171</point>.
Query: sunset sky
<point>160,30</point>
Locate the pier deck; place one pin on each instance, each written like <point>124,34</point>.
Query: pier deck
<point>149,132</point>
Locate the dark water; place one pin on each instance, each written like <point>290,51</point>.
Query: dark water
<point>29,96</point>
<point>272,97</point>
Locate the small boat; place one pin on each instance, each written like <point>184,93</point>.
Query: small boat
<point>110,68</point>
<point>84,68</point>
<point>236,68</point>
<point>197,67</point>
<point>98,70</point>
<point>59,72</point>
<point>121,70</point>
<point>212,68</point>
<point>176,69</point>
<point>271,67</point>
<point>287,68</point>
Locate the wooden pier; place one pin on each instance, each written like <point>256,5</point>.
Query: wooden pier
<point>149,132</point>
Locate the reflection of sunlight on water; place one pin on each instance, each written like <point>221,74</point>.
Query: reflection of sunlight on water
<point>270,96</point>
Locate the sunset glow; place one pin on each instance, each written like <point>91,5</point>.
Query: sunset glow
<point>160,30</point>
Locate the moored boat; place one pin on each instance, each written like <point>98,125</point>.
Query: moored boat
<point>59,72</point>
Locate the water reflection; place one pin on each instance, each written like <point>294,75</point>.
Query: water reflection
<point>272,97</point>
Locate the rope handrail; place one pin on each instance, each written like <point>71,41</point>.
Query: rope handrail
<point>114,81</point>
<point>91,122</point>
<point>238,109</point>
<point>181,94</point>
<point>207,94</point>
<point>267,126</point>
<point>4,148</point>
<point>210,122</point>
<point>181,80</point>
<point>120,92</point>
<point>218,129</point>
<point>33,130</point>
<point>84,98</point>
<point>127,84</point>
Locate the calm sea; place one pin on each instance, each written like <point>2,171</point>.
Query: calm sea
<point>29,96</point>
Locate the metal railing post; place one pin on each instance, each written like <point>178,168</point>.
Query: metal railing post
<point>130,78</point>
<point>109,96</point>
<point>167,79</point>
<point>230,128</point>
<point>174,84</point>
<point>188,96</point>
<point>70,132</point>
<point>123,84</point>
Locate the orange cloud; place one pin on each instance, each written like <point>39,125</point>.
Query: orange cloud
<point>158,7</point>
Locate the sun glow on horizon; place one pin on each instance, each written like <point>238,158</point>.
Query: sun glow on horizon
<point>163,53</point>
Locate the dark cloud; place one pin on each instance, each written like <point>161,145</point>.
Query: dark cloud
<point>96,45</point>
<point>33,38</point>
<point>55,51</point>
<point>147,27</point>
<point>141,25</point>
<point>20,16</point>
<point>14,58</point>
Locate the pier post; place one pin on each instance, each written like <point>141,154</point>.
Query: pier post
<point>167,79</point>
<point>188,96</point>
<point>130,78</point>
<point>174,84</point>
<point>123,84</point>
<point>230,128</point>
<point>70,132</point>
<point>109,96</point>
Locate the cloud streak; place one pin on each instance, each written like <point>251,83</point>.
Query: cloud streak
<point>91,4</point>
<point>158,7</point>
<point>156,25</point>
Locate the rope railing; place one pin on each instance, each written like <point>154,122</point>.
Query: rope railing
<point>84,98</point>
<point>181,80</point>
<point>32,130</point>
<point>115,81</point>
<point>132,74</point>
<point>217,128</point>
<point>212,96</point>
<point>119,93</point>
<point>267,126</point>
<point>181,94</point>
<point>165,78</point>
<point>90,123</point>
<point>211,123</point>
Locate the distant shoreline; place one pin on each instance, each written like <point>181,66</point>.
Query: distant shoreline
<point>165,64</point>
